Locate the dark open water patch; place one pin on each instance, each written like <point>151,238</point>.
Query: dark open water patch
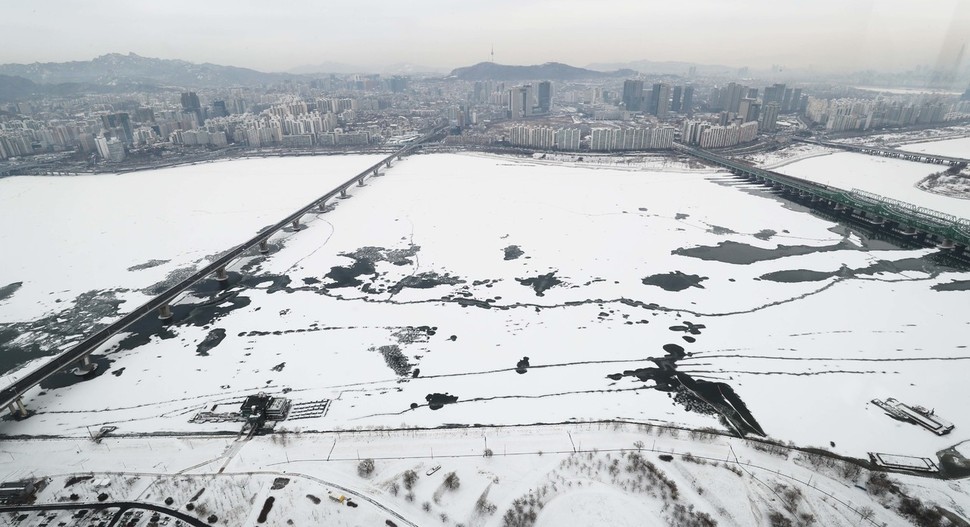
<point>689,327</point>
<point>522,366</point>
<point>436,401</point>
<point>706,397</point>
<point>743,254</point>
<point>881,266</point>
<point>66,378</point>
<point>148,265</point>
<point>540,283</point>
<point>8,290</point>
<point>213,339</point>
<point>512,252</point>
<point>720,231</point>
<point>675,281</point>
<point>24,341</point>
<point>765,234</point>
<point>348,276</point>
<point>953,285</point>
<point>364,265</point>
<point>425,280</point>
<point>681,216</point>
<point>798,275</point>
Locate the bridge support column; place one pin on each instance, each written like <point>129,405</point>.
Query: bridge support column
<point>17,408</point>
<point>388,163</point>
<point>945,244</point>
<point>400,158</point>
<point>296,225</point>
<point>264,247</point>
<point>908,231</point>
<point>84,367</point>
<point>165,312</point>
<point>360,182</point>
<point>343,193</point>
<point>322,207</point>
<point>221,274</point>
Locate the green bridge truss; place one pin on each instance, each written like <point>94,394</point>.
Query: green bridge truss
<point>909,217</point>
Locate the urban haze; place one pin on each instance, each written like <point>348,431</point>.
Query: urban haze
<point>504,264</point>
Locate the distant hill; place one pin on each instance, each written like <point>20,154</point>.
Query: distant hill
<point>13,87</point>
<point>665,68</point>
<point>549,70</point>
<point>115,68</point>
<point>327,67</point>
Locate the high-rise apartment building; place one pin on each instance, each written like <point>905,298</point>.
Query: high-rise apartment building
<point>545,96</point>
<point>769,117</point>
<point>660,100</point>
<point>633,95</point>
<point>687,104</point>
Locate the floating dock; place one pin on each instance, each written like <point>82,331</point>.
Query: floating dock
<point>915,414</point>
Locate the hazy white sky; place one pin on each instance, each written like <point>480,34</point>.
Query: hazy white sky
<point>278,35</point>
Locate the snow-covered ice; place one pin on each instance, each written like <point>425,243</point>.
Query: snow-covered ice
<point>611,264</point>
<point>530,292</point>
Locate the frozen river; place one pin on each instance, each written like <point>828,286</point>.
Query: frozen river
<point>463,289</point>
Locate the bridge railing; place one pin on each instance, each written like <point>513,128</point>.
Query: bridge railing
<point>941,218</point>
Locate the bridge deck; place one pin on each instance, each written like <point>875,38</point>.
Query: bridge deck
<point>888,152</point>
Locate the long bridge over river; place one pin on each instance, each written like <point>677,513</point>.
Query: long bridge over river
<point>926,226</point>
<point>78,356</point>
<point>890,152</point>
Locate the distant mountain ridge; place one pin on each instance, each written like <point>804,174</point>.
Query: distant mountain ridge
<point>549,70</point>
<point>664,67</point>
<point>117,68</point>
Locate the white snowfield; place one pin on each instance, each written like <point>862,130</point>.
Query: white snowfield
<point>805,357</point>
<point>959,147</point>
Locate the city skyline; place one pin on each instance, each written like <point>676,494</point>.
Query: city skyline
<point>891,35</point>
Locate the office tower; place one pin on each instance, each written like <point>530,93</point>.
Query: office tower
<point>796,98</point>
<point>219,109</point>
<point>519,102</point>
<point>660,99</point>
<point>545,96</point>
<point>752,93</point>
<point>748,111</point>
<point>775,93</point>
<point>769,117</point>
<point>633,95</point>
<point>120,126</point>
<point>731,100</point>
<point>675,103</point>
<point>190,103</point>
<point>687,104</point>
<point>786,100</point>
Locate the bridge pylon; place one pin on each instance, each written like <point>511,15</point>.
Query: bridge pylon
<point>84,367</point>
<point>17,407</point>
